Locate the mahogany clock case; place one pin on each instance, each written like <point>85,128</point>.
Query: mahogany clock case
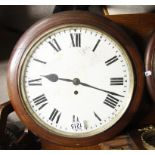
<point>150,66</point>
<point>73,17</point>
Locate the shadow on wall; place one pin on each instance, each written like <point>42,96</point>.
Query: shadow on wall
<point>14,20</point>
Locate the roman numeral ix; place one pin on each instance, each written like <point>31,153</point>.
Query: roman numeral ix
<point>55,115</point>
<point>116,81</point>
<point>40,101</point>
<point>111,101</point>
<point>76,39</point>
<point>55,45</point>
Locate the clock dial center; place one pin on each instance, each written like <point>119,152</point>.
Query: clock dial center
<point>76,81</point>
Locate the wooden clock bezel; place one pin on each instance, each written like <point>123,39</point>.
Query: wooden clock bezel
<point>74,17</point>
<point>149,58</point>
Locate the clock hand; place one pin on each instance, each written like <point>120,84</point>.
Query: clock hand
<point>76,81</point>
<point>55,78</point>
<point>106,91</point>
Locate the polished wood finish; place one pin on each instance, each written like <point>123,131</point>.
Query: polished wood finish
<point>70,18</point>
<point>121,142</point>
<point>136,25</point>
<point>149,61</point>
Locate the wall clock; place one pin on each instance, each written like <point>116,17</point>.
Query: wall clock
<point>150,66</point>
<point>75,79</point>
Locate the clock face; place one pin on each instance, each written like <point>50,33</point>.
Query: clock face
<point>76,81</point>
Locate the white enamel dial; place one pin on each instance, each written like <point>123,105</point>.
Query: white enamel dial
<point>76,81</point>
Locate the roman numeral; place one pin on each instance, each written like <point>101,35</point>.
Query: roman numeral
<point>55,45</point>
<point>97,116</point>
<point>76,39</point>
<point>111,101</point>
<point>75,118</point>
<point>43,62</point>
<point>96,45</point>
<point>35,82</point>
<point>116,81</point>
<point>40,101</point>
<point>111,60</point>
<point>55,115</point>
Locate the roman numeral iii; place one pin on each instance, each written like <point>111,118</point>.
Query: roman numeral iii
<point>40,101</point>
<point>76,39</point>
<point>111,101</point>
<point>55,115</point>
<point>55,45</point>
<point>116,81</point>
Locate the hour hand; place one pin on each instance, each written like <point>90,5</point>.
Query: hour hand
<point>55,78</point>
<point>51,77</point>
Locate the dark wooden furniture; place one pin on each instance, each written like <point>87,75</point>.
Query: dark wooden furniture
<point>150,66</point>
<point>140,27</point>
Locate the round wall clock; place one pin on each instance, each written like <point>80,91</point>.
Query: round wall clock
<point>150,66</point>
<point>75,79</point>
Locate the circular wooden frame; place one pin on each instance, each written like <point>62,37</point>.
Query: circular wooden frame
<point>149,69</point>
<point>74,17</point>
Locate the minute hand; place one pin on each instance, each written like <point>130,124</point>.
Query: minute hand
<point>112,93</point>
